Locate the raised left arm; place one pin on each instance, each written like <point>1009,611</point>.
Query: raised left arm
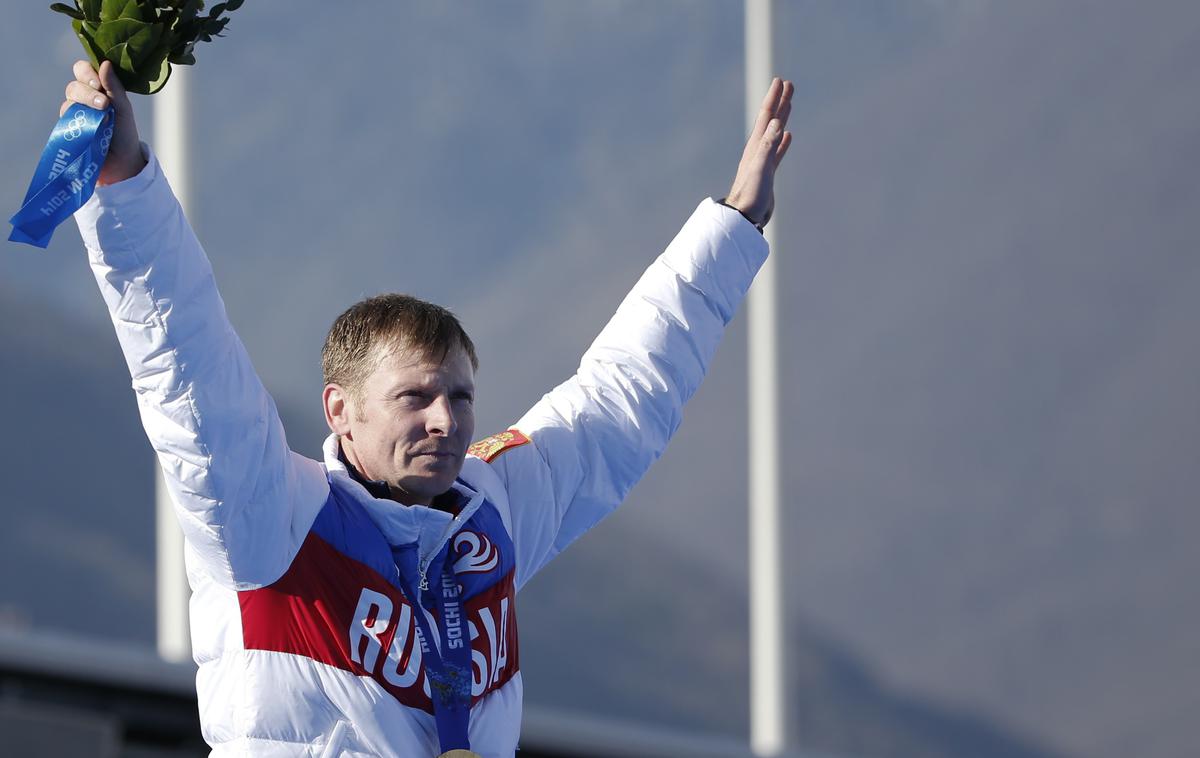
<point>595,435</point>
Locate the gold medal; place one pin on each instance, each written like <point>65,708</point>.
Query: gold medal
<point>459,754</point>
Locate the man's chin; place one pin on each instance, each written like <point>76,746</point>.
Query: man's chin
<point>435,470</point>
<point>423,488</point>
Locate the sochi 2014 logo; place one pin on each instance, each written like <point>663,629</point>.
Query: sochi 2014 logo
<point>476,553</point>
<point>74,128</point>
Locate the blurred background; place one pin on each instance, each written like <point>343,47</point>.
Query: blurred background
<point>988,265</point>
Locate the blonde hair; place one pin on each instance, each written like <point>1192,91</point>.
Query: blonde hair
<point>388,321</point>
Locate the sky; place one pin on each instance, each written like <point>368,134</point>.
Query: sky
<point>988,268</point>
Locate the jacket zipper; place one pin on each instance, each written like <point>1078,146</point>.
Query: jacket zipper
<point>451,528</point>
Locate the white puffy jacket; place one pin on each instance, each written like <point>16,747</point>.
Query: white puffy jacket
<point>304,640</point>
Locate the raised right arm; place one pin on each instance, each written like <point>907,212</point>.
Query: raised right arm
<point>244,500</point>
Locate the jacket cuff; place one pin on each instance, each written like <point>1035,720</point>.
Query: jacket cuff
<point>734,226</point>
<point>759,227</point>
<point>143,202</point>
<point>717,252</point>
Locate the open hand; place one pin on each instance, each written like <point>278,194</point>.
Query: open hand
<point>753,190</point>
<point>98,90</point>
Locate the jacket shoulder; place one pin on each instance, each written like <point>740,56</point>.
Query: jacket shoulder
<point>489,447</point>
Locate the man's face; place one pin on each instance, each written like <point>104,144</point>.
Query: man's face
<point>410,423</point>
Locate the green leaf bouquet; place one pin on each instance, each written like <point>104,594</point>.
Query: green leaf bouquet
<point>142,38</point>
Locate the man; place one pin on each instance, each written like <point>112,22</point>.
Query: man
<point>364,605</point>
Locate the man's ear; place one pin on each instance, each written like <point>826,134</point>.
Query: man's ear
<point>338,410</point>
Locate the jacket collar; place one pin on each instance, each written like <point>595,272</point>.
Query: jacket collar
<point>402,524</point>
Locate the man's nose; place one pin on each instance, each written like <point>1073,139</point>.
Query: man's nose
<point>439,417</point>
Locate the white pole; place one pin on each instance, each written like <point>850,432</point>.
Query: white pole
<point>171,145</point>
<point>768,669</point>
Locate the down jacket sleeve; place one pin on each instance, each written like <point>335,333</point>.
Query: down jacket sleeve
<point>594,436</point>
<point>244,500</point>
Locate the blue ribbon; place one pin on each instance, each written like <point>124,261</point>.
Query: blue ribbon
<point>449,670</point>
<point>66,174</point>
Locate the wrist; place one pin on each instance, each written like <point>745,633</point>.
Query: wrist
<point>118,169</point>
<point>757,225</point>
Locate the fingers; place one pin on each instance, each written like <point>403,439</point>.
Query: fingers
<point>776,104</point>
<point>781,151</point>
<point>769,144</point>
<point>78,92</point>
<point>86,74</point>
<point>97,89</point>
<point>85,87</point>
<point>767,111</point>
<point>775,144</point>
<point>783,108</point>
<point>112,82</point>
